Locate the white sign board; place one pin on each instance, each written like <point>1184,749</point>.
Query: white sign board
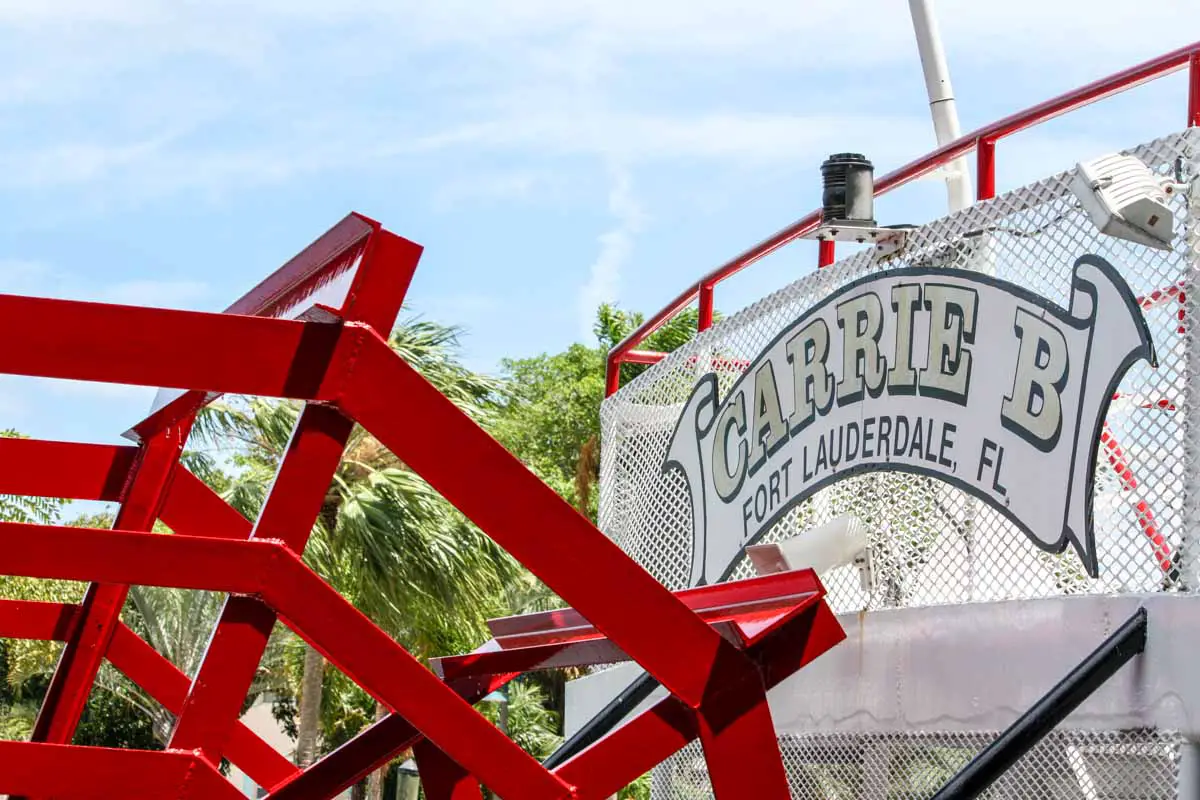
<point>939,372</point>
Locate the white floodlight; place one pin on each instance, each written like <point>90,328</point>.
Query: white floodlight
<point>839,543</point>
<point>1126,199</point>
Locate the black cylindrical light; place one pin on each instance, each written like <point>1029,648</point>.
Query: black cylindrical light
<point>849,195</point>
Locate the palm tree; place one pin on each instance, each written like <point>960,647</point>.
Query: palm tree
<point>178,624</point>
<point>35,510</point>
<point>175,622</point>
<point>384,538</point>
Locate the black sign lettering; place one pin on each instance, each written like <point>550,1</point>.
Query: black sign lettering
<point>1011,386</point>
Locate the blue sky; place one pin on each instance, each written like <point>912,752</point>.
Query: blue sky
<point>548,155</point>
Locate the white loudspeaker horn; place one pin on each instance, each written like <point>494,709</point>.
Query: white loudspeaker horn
<point>838,543</point>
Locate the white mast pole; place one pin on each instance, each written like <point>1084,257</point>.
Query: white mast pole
<point>941,99</point>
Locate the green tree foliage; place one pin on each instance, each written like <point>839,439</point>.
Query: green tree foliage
<point>530,723</point>
<point>613,325</point>
<point>552,411</point>
<point>34,510</point>
<point>638,790</point>
<point>550,417</point>
<point>112,716</point>
<point>109,718</point>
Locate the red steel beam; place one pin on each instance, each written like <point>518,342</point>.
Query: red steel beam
<point>192,508</point>
<point>145,666</point>
<point>585,651</point>
<point>719,601</point>
<point>36,619</point>
<point>40,468</point>
<point>371,749</point>
<point>165,348</point>
<point>535,525</point>
<point>295,500</point>
<point>742,613</point>
<point>382,282</point>
<point>84,651</point>
<point>314,610</point>
<point>305,271</point>
<point>34,468</point>
<point>99,773</point>
<point>589,652</point>
<point>740,745</point>
<point>275,296</point>
<point>441,777</point>
<point>656,734</point>
<point>135,557</point>
<point>236,648</point>
<point>389,673</point>
<point>169,685</point>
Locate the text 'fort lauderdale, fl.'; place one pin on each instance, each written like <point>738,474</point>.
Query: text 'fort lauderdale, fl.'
<point>934,371</point>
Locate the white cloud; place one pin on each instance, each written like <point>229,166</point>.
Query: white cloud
<point>39,279</point>
<point>453,309</point>
<point>491,187</point>
<point>14,403</point>
<point>535,77</point>
<point>159,294</point>
<point>818,33</point>
<point>18,276</point>
<point>136,397</point>
<point>71,163</point>
<point>616,246</point>
<point>747,137</point>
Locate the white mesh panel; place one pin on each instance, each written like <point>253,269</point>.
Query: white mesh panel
<point>1065,765</point>
<point>933,544</point>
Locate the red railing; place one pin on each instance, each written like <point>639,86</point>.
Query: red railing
<point>982,141</point>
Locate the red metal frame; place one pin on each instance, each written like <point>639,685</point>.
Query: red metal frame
<point>101,611</point>
<point>982,141</point>
<point>97,772</point>
<point>141,663</point>
<point>338,361</point>
<point>743,612</point>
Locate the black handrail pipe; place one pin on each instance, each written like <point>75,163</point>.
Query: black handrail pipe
<point>596,727</point>
<point>1021,737</point>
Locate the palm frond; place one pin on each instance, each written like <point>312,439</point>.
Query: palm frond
<point>432,350</point>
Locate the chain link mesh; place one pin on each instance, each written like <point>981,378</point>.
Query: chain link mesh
<point>931,543</point>
<point>1065,765</point>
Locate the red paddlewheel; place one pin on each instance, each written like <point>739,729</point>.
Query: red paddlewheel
<point>315,331</point>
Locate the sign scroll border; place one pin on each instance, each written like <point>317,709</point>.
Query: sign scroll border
<point>1145,352</point>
